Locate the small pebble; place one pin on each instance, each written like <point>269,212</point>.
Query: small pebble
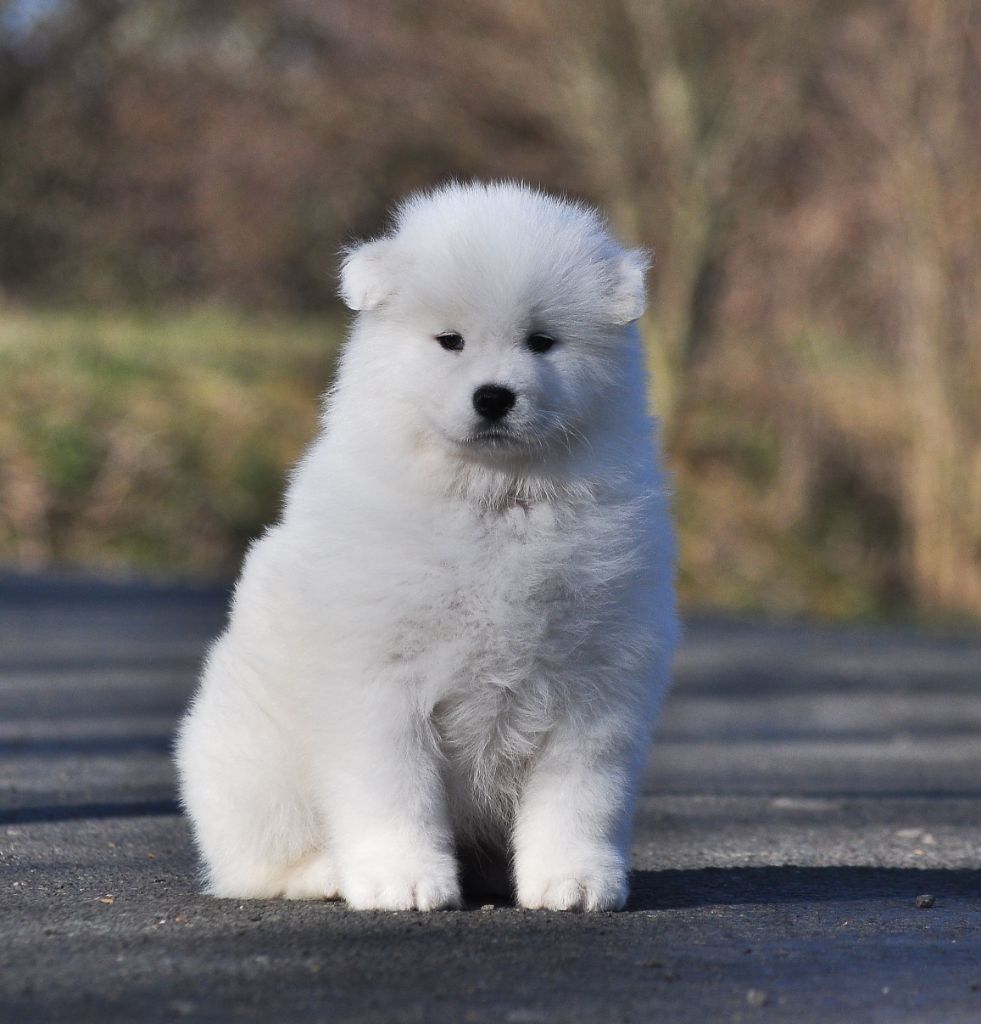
<point>487,906</point>
<point>925,902</point>
<point>757,997</point>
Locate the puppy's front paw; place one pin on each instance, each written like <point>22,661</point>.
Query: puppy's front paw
<point>403,885</point>
<point>591,884</point>
<point>312,879</point>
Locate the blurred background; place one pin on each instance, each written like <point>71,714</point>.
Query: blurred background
<point>176,180</point>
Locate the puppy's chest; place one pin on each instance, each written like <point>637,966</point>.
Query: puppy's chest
<point>489,604</point>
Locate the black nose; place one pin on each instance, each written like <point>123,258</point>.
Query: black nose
<point>492,401</point>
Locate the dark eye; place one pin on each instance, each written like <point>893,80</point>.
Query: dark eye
<point>539,342</point>
<point>451,341</point>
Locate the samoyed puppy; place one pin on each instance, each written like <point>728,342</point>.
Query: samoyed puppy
<point>454,642</point>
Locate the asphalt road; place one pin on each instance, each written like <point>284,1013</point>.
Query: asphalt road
<point>807,785</point>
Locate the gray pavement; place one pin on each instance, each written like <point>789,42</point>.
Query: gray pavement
<point>807,785</point>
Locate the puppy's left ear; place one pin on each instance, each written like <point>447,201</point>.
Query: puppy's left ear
<point>629,298</point>
<point>367,274</point>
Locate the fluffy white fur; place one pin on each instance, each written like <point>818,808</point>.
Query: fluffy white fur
<point>456,638</point>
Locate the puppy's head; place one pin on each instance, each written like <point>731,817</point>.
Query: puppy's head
<point>494,315</point>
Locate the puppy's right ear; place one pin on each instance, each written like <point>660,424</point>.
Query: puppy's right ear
<point>630,291</point>
<point>367,274</point>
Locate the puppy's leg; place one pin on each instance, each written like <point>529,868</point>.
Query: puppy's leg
<point>390,833</point>
<point>572,835</point>
<point>253,819</point>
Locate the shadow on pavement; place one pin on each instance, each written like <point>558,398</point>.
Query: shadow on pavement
<point>678,889</point>
<point>86,746</point>
<point>74,812</point>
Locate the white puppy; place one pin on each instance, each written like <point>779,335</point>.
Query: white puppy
<point>457,636</point>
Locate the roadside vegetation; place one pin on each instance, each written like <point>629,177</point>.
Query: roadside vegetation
<point>151,442</point>
<point>160,442</point>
